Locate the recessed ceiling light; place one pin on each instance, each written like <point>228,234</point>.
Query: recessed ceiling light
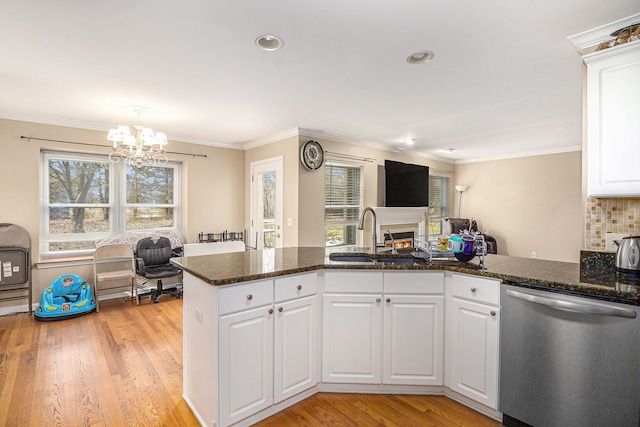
<point>269,42</point>
<point>409,141</point>
<point>420,57</point>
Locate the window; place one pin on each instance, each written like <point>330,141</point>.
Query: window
<point>438,202</point>
<point>343,201</point>
<point>86,197</point>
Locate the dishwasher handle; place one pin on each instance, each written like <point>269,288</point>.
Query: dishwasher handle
<point>574,306</point>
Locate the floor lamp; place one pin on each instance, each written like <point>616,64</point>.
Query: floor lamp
<point>460,189</point>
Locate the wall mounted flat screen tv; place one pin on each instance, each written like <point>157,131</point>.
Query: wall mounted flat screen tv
<point>406,185</point>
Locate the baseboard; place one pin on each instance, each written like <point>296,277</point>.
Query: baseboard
<point>478,407</point>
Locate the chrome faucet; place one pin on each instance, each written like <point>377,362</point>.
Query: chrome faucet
<point>394,250</point>
<point>374,238</point>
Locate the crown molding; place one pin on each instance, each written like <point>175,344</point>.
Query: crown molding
<point>588,41</point>
<point>341,139</point>
<point>271,138</point>
<point>76,124</point>
<point>560,150</point>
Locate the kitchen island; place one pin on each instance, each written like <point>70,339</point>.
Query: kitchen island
<point>266,329</point>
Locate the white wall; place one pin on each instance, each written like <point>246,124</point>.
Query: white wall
<point>529,204</point>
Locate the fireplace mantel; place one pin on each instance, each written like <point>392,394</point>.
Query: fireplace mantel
<point>395,216</point>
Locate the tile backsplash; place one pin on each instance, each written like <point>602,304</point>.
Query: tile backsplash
<point>610,216</point>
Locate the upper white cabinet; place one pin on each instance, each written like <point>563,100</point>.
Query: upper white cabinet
<point>613,128</point>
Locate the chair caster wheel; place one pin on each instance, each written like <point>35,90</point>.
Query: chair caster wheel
<point>155,300</point>
<point>178,295</point>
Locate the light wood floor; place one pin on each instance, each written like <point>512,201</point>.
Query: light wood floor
<point>123,367</point>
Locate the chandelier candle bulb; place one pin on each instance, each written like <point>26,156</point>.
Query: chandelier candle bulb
<point>137,149</point>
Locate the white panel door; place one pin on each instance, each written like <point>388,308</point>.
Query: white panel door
<point>295,347</point>
<point>474,351</point>
<point>351,339</point>
<point>246,363</point>
<point>267,204</point>
<point>413,339</point>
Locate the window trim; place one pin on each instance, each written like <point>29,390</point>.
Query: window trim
<point>117,204</point>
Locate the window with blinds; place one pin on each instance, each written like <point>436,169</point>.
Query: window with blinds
<point>438,202</point>
<point>343,201</point>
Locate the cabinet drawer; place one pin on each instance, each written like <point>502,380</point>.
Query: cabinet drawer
<point>301,285</point>
<point>248,295</point>
<point>409,282</point>
<point>476,289</point>
<point>353,282</point>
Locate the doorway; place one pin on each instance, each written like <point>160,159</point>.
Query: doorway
<point>267,203</point>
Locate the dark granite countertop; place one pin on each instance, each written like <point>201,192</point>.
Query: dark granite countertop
<point>594,276</point>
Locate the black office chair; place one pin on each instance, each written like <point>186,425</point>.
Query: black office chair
<point>152,261</point>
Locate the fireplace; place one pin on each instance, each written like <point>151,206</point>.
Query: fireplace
<point>402,239</point>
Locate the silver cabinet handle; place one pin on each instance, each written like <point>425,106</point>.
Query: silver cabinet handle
<point>492,313</point>
<point>574,306</point>
<point>378,300</point>
<point>249,297</point>
<point>299,287</point>
<point>473,290</point>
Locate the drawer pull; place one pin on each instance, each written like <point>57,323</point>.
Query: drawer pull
<point>492,313</point>
<point>388,299</point>
<point>280,309</point>
<point>473,290</point>
<point>299,287</point>
<point>270,311</point>
<point>249,297</point>
<point>378,300</point>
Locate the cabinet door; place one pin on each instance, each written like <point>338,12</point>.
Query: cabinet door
<point>413,339</point>
<point>296,349</point>
<point>246,363</point>
<point>474,351</point>
<point>613,105</point>
<point>351,339</point>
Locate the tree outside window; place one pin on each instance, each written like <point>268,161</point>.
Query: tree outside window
<point>83,201</point>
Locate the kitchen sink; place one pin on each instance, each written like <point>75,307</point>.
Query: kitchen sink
<point>350,257</point>
<point>397,260</point>
<point>373,258</point>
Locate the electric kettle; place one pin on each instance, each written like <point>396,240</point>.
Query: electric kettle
<point>628,254</point>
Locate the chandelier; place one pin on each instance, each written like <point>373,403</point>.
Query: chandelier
<point>141,147</point>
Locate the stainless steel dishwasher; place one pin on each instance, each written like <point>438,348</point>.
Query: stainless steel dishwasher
<point>567,360</point>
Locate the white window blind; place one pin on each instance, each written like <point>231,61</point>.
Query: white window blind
<point>343,201</point>
<point>438,202</point>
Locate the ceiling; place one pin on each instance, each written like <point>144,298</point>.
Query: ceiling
<point>505,81</point>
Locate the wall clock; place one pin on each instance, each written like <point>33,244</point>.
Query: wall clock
<point>311,155</point>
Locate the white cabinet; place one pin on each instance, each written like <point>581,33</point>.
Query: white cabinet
<point>267,353</point>
<point>383,328</point>
<point>413,328</point>
<point>472,330</point>
<point>613,108</point>
<point>296,336</point>
<point>351,335</point>
<point>246,361</point>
